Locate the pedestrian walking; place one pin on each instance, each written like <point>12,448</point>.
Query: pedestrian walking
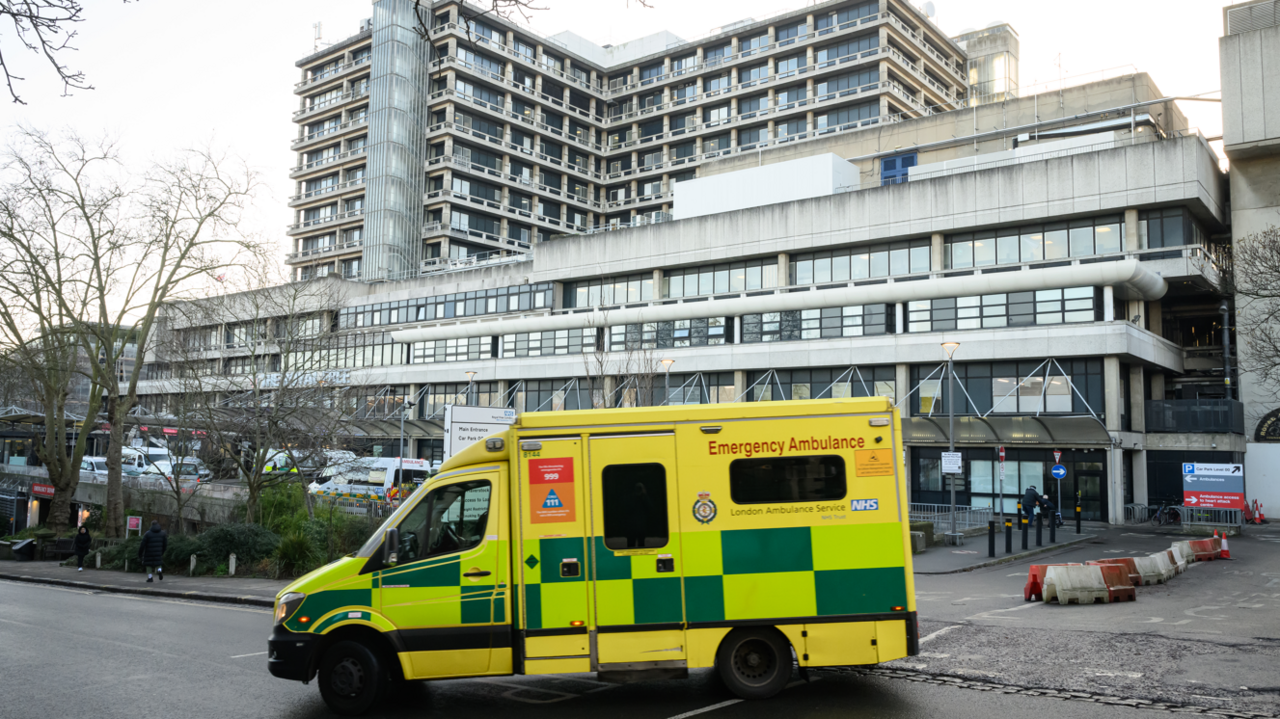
<point>151,550</point>
<point>81,545</point>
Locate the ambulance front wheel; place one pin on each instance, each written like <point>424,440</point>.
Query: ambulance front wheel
<point>352,678</point>
<point>754,663</point>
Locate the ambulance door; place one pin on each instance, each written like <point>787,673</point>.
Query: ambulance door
<point>636,574</point>
<point>552,560</point>
<point>445,595</point>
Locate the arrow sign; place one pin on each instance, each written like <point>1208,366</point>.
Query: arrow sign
<point>1191,500</point>
<point>1058,472</point>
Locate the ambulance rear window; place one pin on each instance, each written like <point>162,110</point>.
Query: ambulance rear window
<point>774,480</point>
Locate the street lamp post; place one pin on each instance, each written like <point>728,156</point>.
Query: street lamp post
<point>666,380</point>
<point>951,348</point>
<point>403,411</point>
<point>471,384</point>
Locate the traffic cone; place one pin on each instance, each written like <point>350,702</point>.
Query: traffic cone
<point>1226,551</point>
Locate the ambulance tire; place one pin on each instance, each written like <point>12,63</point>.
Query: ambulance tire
<point>754,663</point>
<point>352,678</point>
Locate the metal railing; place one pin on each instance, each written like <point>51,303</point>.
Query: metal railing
<point>1195,416</point>
<point>1205,516</point>
<point>940,515</point>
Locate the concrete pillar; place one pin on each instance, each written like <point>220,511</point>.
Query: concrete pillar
<point>1137,399</point>
<point>1131,231</point>
<point>1140,477</point>
<point>1111,391</point>
<point>901,386</point>
<point>1136,308</point>
<point>557,295</point>
<point>1155,317</point>
<point>899,318</point>
<point>610,386</point>
<point>739,376</point>
<point>784,269</point>
<point>1115,486</point>
<point>1108,304</point>
<point>1157,385</point>
<point>935,251</point>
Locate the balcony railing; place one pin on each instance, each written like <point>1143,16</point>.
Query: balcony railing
<point>1196,416</point>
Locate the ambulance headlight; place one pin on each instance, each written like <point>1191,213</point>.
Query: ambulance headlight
<point>287,605</point>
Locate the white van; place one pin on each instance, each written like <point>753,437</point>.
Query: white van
<point>372,475</point>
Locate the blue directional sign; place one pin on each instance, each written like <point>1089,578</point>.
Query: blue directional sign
<point>1058,472</point>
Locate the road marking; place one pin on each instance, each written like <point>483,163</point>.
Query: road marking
<point>1192,613</point>
<point>938,633</point>
<point>933,655</point>
<point>1152,620</point>
<point>704,710</point>
<point>1017,574</point>
<point>986,615</point>
<point>242,656</point>
<point>517,688</point>
<point>1128,675</point>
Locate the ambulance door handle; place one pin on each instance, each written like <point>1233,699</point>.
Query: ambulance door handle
<point>477,573</point>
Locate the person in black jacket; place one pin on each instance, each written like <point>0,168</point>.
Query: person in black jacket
<point>81,544</point>
<point>1029,501</point>
<point>151,550</point>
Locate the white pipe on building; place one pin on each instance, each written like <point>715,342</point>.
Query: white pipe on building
<point>1137,282</point>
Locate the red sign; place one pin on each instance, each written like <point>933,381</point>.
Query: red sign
<point>1213,500</point>
<point>42,490</point>
<point>551,490</point>
<point>135,523</point>
<point>1002,454</point>
<point>1057,457</point>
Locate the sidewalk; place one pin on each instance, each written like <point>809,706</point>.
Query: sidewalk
<point>231,590</point>
<point>946,559</point>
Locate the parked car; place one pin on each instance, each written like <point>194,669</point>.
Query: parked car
<point>97,466</point>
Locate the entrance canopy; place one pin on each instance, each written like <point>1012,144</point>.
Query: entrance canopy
<point>1022,430</point>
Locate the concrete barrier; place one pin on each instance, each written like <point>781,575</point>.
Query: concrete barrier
<point>1135,577</point>
<point>1034,589</point>
<point>1175,558</point>
<point>1119,588</point>
<point>1166,567</point>
<point>1204,550</point>
<point>1184,546</point>
<point>1149,569</point>
<point>1081,585</point>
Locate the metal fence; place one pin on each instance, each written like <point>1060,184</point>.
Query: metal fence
<point>1217,517</point>
<point>940,515</point>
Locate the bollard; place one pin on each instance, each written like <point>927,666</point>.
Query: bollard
<point>231,566</point>
<point>1008,536</point>
<point>1024,534</point>
<point>1077,519</point>
<point>98,560</point>
<point>126,566</point>
<point>192,571</point>
<point>991,538</point>
<point>1040,529</point>
<point>1053,530</point>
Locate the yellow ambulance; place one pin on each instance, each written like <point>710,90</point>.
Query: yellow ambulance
<point>633,543</point>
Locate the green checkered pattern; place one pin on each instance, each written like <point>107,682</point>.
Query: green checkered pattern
<point>727,575</point>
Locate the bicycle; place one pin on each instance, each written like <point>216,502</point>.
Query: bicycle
<point>1166,514</point>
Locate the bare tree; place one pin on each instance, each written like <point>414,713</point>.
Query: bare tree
<point>47,29</point>
<point>631,369</point>
<point>1254,280</point>
<point>109,249</point>
<point>253,371</point>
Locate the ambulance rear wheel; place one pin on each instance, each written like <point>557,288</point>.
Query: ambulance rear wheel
<point>754,663</point>
<point>352,678</point>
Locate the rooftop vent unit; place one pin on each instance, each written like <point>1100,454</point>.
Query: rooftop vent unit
<point>1247,18</point>
<point>366,24</point>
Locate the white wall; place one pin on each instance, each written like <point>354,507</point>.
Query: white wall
<point>801,179</point>
<point>623,53</point>
<point>1262,477</point>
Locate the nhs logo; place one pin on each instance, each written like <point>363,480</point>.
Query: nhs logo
<point>864,505</point>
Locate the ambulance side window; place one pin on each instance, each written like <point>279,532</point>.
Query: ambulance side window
<point>449,519</point>
<point>774,480</point>
<point>635,506</point>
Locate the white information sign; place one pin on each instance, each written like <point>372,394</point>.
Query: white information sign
<point>952,463</point>
<point>464,425</point>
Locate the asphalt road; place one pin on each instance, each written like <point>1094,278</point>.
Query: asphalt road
<point>1210,637</point>
<point>70,652</point>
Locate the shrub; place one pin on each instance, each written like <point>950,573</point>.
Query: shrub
<point>282,508</point>
<point>297,555</point>
<point>114,556</point>
<point>177,555</point>
<point>250,543</point>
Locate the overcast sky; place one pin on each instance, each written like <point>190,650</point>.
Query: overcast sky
<point>177,73</point>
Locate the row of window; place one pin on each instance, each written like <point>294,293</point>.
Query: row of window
<point>1066,386</point>
<point>859,263</point>
<point>670,334</point>
<point>829,322</point>
<point>1014,309</point>
<point>514,298</point>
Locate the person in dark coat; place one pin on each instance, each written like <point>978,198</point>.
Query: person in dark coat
<point>81,545</point>
<point>151,550</point>
<point>1029,501</point>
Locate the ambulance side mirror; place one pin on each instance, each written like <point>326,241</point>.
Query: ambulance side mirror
<point>391,547</point>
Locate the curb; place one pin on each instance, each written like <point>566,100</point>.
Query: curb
<point>165,593</point>
<point>1015,557</point>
